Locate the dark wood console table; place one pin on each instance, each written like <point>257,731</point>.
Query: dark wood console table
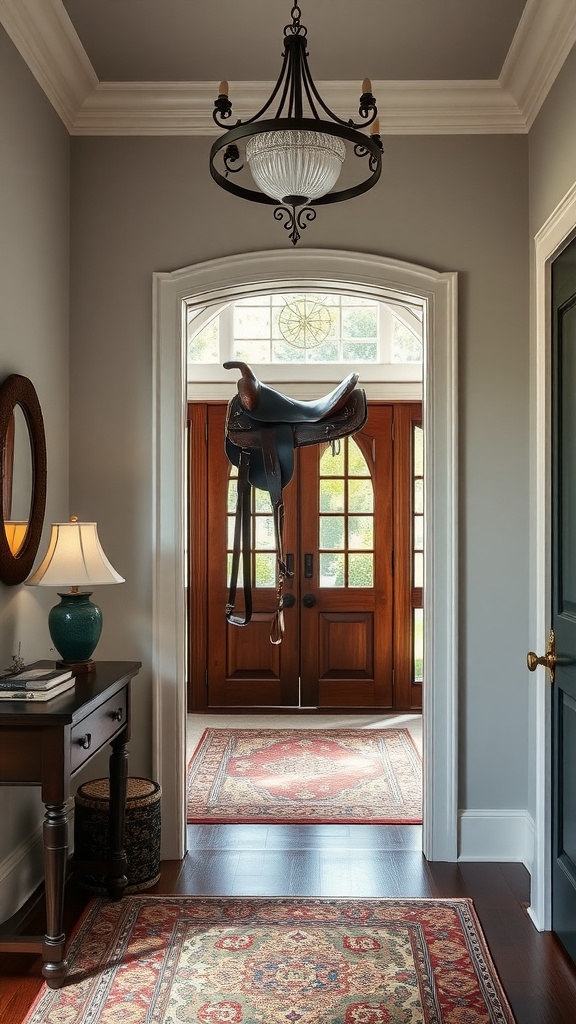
<point>46,744</point>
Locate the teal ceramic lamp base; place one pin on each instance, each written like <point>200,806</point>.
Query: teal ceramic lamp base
<point>75,626</point>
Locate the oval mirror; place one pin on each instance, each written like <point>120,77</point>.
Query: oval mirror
<point>22,478</point>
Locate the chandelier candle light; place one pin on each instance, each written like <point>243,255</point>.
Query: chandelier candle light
<point>75,558</point>
<point>295,157</point>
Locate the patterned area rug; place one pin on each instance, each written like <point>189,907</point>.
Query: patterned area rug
<point>299,775</point>
<point>171,959</point>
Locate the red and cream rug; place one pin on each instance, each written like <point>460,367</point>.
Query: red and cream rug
<point>349,776</point>
<point>171,959</point>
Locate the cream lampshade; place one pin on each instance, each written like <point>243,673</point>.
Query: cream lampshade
<point>75,559</point>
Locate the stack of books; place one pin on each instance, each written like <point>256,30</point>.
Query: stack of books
<point>39,681</point>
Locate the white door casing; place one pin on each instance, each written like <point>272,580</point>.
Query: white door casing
<point>553,236</point>
<point>230,278</point>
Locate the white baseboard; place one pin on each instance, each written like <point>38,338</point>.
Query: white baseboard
<point>22,872</point>
<point>486,835</point>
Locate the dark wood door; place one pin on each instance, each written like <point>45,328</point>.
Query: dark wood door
<point>345,569</point>
<point>352,529</point>
<point>564,598</point>
<point>244,669</point>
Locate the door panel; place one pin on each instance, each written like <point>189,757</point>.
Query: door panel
<point>564,599</point>
<point>350,512</point>
<point>346,523</point>
<point>243,668</point>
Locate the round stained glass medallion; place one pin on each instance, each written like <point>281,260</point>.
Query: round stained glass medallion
<point>305,322</point>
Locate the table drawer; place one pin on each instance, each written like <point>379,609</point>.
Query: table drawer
<point>98,728</point>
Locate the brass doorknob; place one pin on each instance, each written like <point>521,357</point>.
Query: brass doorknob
<point>548,660</point>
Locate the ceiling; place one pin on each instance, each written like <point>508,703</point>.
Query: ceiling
<point>207,40</point>
<point>152,66</point>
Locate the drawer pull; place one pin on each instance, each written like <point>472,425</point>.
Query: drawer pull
<point>118,715</point>
<point>85,741</point>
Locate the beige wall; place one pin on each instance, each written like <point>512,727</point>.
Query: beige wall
<point>141,205</point>
<point>34,244</point>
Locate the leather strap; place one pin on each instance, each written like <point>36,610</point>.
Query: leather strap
<point>273,473</point>
<point>241,540</point>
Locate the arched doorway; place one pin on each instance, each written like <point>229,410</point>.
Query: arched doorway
<point>222,280</point>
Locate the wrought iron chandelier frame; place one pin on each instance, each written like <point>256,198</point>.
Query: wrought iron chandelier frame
<point>295,87</point>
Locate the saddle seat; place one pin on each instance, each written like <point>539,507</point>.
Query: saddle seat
<point>267,405</point>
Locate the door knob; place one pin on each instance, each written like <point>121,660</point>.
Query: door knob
<point>548,660</point>
<point>309,600</point>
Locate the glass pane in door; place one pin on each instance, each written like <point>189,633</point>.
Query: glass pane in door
<point>346,523</point>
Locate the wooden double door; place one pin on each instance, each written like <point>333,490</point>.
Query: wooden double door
<point>353,528</point>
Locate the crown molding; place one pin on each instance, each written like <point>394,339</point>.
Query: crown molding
<point>544,37</point>
<point>406,108</point>
<point>47,41</point>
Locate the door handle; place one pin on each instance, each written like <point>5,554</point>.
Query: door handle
<point>308,567</point>
<point>548,660</point>
<point>309,600</point>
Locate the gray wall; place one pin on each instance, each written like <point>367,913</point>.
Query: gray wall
<point>141,205</point>
<point>34,300</point>
<point>552,174</point>
<point>552,147</point>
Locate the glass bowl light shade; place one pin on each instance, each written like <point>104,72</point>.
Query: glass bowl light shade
<point>294,166</point>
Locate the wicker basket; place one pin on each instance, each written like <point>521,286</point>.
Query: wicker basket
<point>141,834</point>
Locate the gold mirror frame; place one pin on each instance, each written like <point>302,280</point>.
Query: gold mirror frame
<point>19,391</point>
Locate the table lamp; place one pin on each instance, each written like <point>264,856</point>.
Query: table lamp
<point>74,559</point>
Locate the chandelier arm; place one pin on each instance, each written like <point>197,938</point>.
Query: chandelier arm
<point>312,92</point>
<point>295,46</point>
<point>234,187</point>
<point>263,109</point>
<point>286,78</point>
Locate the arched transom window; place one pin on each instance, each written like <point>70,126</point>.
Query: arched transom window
<point>313,328</point>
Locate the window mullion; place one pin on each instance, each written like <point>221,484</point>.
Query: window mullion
<point>227,333</point>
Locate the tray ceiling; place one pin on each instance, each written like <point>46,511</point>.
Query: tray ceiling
<point>152,66</point>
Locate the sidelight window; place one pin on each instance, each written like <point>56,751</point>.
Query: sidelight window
<point>346,525</point>
<point>263,544</point>
<point>417,551</point>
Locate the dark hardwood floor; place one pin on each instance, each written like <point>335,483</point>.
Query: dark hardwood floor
<point>355,860</point>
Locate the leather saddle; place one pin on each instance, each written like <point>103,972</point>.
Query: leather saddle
<point>263,427</point>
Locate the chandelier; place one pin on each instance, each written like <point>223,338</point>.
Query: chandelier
<point>295,156</point>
